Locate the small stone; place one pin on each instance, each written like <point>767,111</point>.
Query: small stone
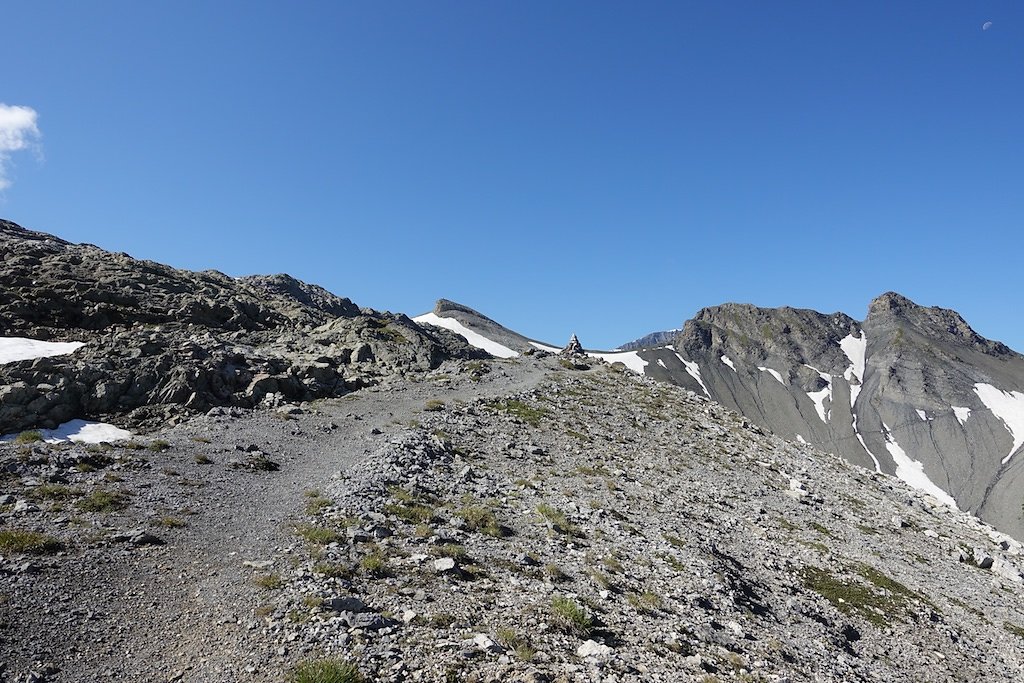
<point>257,564</point>
<point>484,643</point>
<point>444,564</point>
<point>379,531</point>
<point>142,537</point>
<point>593,650</point>
<point>346,604</point>
<point>983,559</point>
<point>408,616</point>
<point>24,506</point>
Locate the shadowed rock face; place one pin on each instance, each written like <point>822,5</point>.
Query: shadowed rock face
<point>791,371</point>
<point>158,338</point>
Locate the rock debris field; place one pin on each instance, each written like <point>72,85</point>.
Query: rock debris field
<point>530,519</point>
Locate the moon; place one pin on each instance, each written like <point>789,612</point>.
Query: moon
<point>986,26</point>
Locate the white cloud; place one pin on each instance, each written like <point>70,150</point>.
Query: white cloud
<point>18,132</point>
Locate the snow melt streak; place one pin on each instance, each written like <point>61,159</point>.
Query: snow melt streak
<point>474,338</point>
<point>912,471</point>
<point>1008,406</point>
<point>774,373</point>
<point>13,349</point>
<point>694,371</point>
<point>727,361</point>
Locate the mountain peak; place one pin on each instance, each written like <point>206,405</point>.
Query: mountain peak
<point>447,306</point>
<point>891,302</point>
<point>933,322</point>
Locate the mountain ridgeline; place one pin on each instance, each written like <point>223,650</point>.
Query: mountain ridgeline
<point>911,391</point>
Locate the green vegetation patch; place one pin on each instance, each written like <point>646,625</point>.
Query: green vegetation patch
<point>519,644</point>
<point>103,501</point>
<point>519,409</point>
<point>21,541</point>
<point>270,582</point>
<point>571,617</point>
<point>319,535</point>
<point>54,492</point>
<point>1014,629</point>
<point>482,518</point>
<point>375,564</point>
<point>326,671</point>
<point>878,601</point>
<point>558,521</point>
<point>30,436</point>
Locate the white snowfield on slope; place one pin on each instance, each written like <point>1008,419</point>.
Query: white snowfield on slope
<point>472,337</point>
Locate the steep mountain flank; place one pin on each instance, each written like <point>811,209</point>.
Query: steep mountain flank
<point>157,338</point>
<point>911,391</point>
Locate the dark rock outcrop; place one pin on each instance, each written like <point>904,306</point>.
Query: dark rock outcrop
<point>158,338</point>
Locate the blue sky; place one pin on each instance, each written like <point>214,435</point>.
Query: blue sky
<point>590,167</point>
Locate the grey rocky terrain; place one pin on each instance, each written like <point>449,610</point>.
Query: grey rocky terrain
<point>163,343</point>
<point>513,520</point>
<point>910,390</point>
<point>450,516</point>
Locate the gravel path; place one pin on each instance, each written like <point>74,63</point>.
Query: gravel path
<point>185,610</point>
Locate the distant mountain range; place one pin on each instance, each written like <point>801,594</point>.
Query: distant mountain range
<point>911,391</point>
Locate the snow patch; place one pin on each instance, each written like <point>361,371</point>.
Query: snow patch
<point>1008,406</point>
<point>819,396</point>
<point>801,439</point>
<point>662,363</point>
<point>474,338</point>
<point>912,471</point>
<point>961,413</point>
<point>628,358</point>
<point>819,401</point>
<point>856,349</point>
<point>921,414</point>
<point>80,431</point>
<point>693,370</point>
<point>774,373</point>
<point>545,347</point>
<point>725,359</point>
<point>13,349</point>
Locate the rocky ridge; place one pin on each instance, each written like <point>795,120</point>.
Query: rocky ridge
<point>160,339</point>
